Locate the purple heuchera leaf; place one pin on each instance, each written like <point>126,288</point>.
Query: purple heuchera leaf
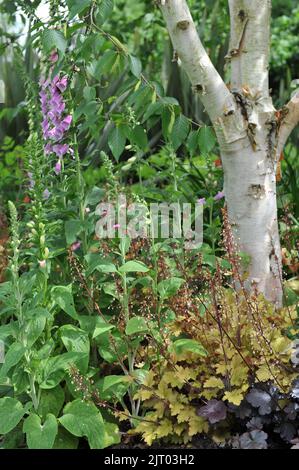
<point>253,440</point>
<point>214,411</point>
<point>261,400</point>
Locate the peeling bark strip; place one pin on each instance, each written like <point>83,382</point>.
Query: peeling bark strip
<point>250,132</point>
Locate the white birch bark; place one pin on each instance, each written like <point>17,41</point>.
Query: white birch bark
<point>249,133</point>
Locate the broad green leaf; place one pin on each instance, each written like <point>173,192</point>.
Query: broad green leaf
<point>65,440</point>
<point>63,297</point>
<point>72,228</point>
<point>53,39</point>
<point>94,196</point>
<point>53,369</point>
<point>105,9</point>
<point>13,356</point>
<point>34,329</point>
<point>181,346</point>
<point>77,6</point>
<point>133,267</point>
<point>168,119</point>
<point>38,435</point>
<point>138,137</point>
<point>113,386</point>
<point>74,339</point>
<point>169,287</point>
<point>153,108</point>
<point>206,139</point>
<point>136,325</point>
<point>135,66</point>
<point>84,419</point>
<point>117,142</point>
<point>102,328</point>
<point>96,262</point>
<point>180,131</point>
<point>11,413</point>
<point>51,401</point>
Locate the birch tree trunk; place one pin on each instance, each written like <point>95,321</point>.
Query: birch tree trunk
<point>250,132</point>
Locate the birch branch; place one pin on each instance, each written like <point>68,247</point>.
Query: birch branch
<point>249,48</point>
<point>205,79</point>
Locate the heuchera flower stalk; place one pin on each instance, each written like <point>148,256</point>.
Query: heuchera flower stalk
<point>56,122</point>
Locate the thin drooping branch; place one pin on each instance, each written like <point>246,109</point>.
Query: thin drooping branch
<point>205,79</point>
<point>290,119</point>
<point>249,49</point>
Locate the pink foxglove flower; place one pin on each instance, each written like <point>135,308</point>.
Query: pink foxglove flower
<point>55,123</point>
<point>219,196</point>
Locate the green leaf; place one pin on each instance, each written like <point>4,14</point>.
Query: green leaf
<point>106,63</point>
<point>101,328</point>
<point>206,139</point>
<point>104,11</point>
<point>65,440</point>
<point>168,119</point>
<point>138,137</point>
<point>11,413</point>
<point>53,369</point>
<point>97,262</point>
<point>51,401</point>
<point>188,345</point>
<point>117,142</point>
<point>38,435</point>
<point>192,142</point>
<point>136,325</point>
<point>53,39</point>
<point>34,329</point>
<point>135,66</point>
<point>74,339</point>
<point>113,386</point>
<point>72,228</point>
<point>76,7</point>
<point>63,297</point>
<point>169,287</point>
<point>12,357</point>
<point>133,267</point>
<point>153,108</point>
<point>94,196</point>
<point>180,131</point>
<point>83,419</point>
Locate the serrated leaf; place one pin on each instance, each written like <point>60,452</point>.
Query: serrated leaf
<point>206,139</point>
<point>53,39</point>
<point>105,10</point>
<point>180,131</point>
<point>77,6</point>
<point>117,142</point>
